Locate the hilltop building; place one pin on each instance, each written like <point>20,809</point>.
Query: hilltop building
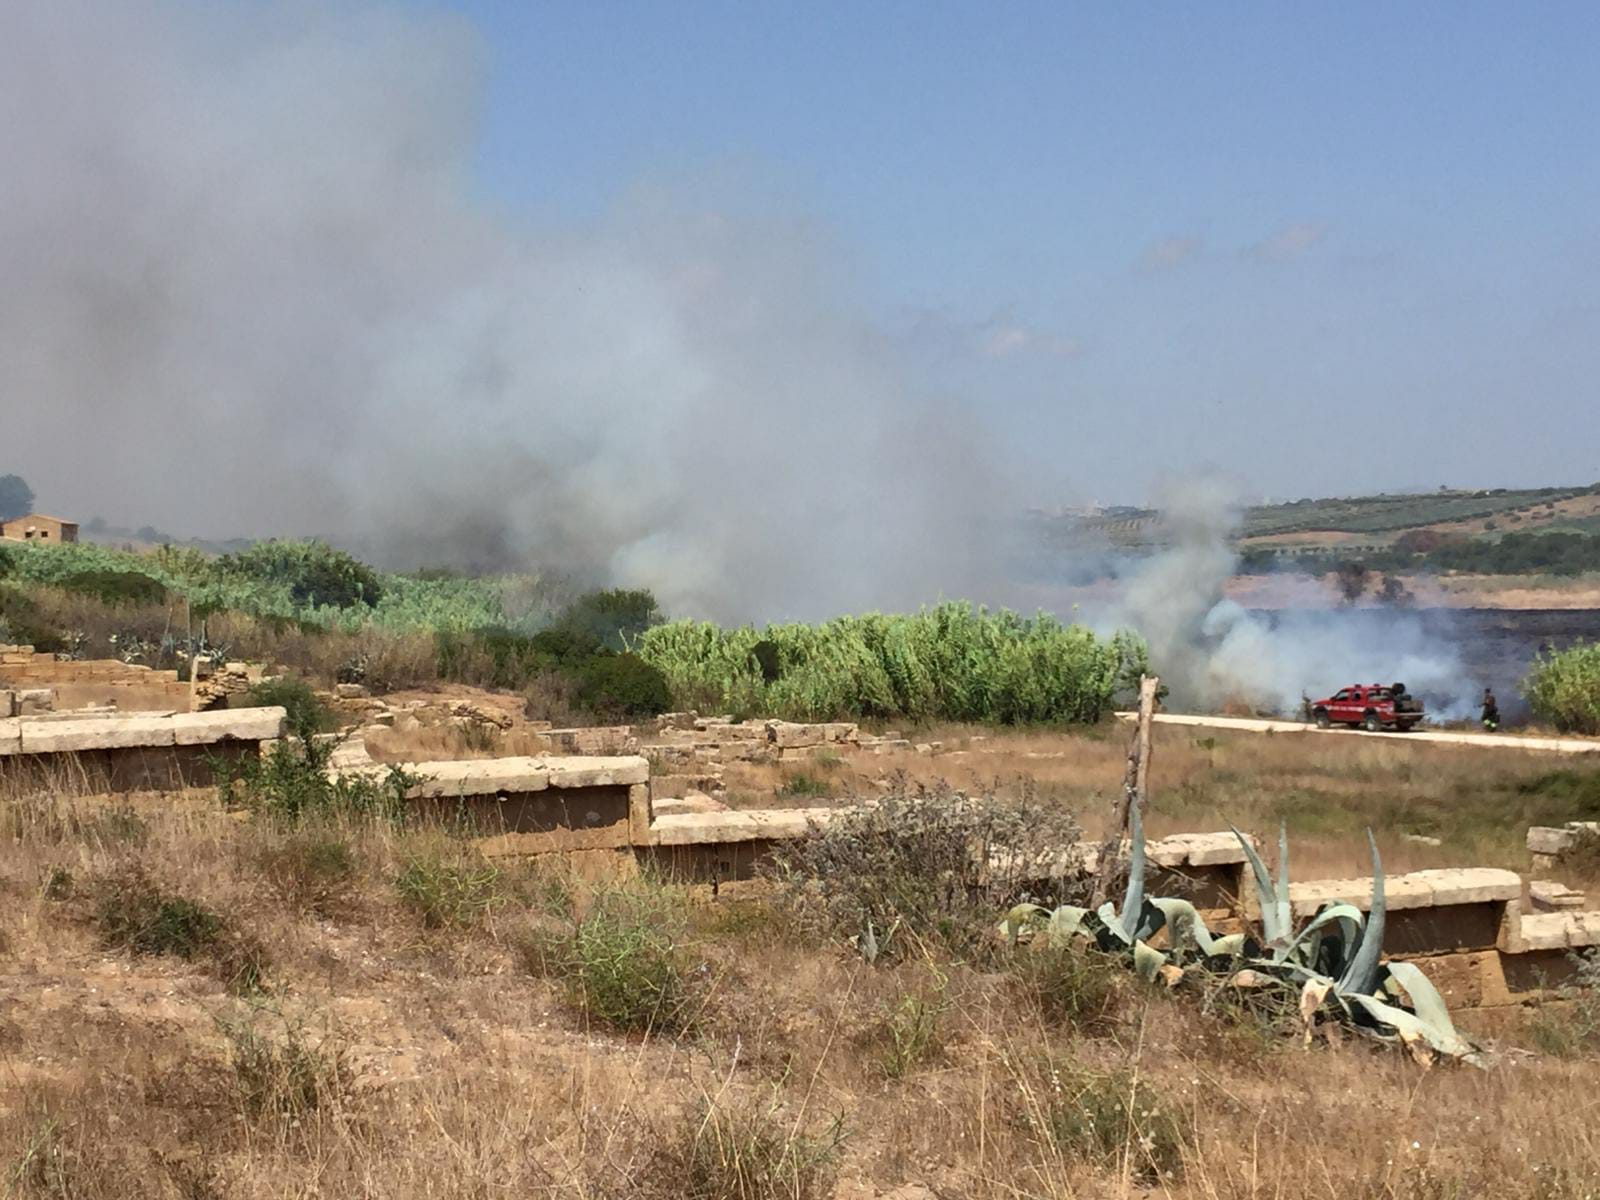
<point>36,527</point>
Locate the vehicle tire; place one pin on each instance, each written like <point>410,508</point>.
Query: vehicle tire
<point>1372,723</point>
<point>1321,718</point>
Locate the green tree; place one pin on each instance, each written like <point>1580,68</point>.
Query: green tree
<point>16,497</point>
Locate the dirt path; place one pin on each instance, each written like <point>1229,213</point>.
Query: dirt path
<point>1508,741</point>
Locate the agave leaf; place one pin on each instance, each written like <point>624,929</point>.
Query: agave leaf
<point>1264,889</point>
<point>1133,901</point>
<point>1425,999</point>
<point>1348,917</point>
<point>1285,912</point>
<point>1230,944</point>
<point>1107,913</point>
<point>1065,924</point>
<point>1147,961</point>
<point>1184,920</point>
<point>1020,919</point>
<point>1416,1032</point>
<point>1362,972</point>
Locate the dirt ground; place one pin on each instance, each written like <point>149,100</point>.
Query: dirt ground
<point>388,1052</point>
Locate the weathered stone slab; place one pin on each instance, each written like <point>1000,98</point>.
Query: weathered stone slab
<point>1469,885</point>
<point>10,735</point>
<point>1542,931</point>
<point>1550,839</point>
<point>769,824</point>
<point>1551,895</point>
<point>596,771</point>
<point>479,777</point>
<point>229,724</point>
<point>98,733</point>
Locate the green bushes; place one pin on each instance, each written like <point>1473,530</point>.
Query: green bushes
<point>115,587</point>
<point>1564,689</point>
<point>134,913</point>
<point>292,783</point>
<point>923,867</point>
<point>613,617</point>
<point>607,683</point>
<point>315,574</point>
<point>952,662</point>
<point>307,715</point>
<point>745,1152</point>
<point>622,964</point>
<point>448,891</point>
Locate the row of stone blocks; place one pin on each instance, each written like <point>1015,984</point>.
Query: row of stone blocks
<point>68,733</point>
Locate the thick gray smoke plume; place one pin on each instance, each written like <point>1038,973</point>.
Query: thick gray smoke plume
<point>1211,651</point>
<point>246,289</point>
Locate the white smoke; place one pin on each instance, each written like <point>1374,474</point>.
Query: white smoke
<point>1211,651</point>
<point>248,286</point>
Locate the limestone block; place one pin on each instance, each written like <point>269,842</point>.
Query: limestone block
<point>1551,895</point>
<point>1543,931</point>
<point>229,724</point>
<point>480,777</point>
<point>640,813</point>
<point>841,731</point>
<point>1550,839</point>
<point>8,703</point>
<point>788,734</point>
<point>1583,928</point>
<point>350,691</point>
<point>1470,885</point>
<point>1214,850</point>
<point>10,736</point>
<point>34,700</point>
<point>694,829</point>
<point>596,771</point>
<point>95,733</point>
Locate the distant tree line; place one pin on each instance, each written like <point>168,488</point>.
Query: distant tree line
<point>1512,554</point>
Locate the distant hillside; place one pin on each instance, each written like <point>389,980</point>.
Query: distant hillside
<point>1397,513</point>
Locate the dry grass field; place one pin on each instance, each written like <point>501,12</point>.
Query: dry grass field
<point>194,1003</point>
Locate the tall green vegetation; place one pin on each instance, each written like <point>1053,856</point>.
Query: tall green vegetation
<point>951,662</point>
<point>1563,688</point>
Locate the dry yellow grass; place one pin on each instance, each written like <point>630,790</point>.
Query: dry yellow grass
<point>440,1068</point>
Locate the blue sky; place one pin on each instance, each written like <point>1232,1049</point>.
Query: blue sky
<point>1328,250</point>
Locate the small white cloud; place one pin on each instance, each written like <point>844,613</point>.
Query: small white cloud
<point>1164,254</point>
<point>1004,341</point>
<point>1288,243</point>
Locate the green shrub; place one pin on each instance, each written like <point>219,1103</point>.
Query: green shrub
<point>1116,1118</point>
<point>287,1077</point>
<point>616,686</point>
<point>745,1152</point>
<point>315,574</point>
<point>447,891</point>
<point>613,618</point>
<point>310,869</point>
<point>1571,1027</point>
<point>115,587</point>
<point>307,714</point>
<point>133,913</point>
<point>951,662</point>
<point>293,782</point>
<point>622,965</point>
<point>925,866</point>
<point>1072,987</point>
<point>911,1030</point>
<point>803,783</point>
<point>1563,688</point>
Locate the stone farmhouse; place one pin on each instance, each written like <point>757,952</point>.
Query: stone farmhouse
<point>36,527</point>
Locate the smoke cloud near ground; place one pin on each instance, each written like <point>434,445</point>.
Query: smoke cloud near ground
<point>1212,652</point>
<point>247,288</point>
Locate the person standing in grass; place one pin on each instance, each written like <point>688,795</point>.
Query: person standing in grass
<point>1491,711</point>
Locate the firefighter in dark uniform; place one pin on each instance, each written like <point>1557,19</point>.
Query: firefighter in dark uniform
<point>1491,711</point>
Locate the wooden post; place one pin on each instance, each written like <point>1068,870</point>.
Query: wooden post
<point>1135,785</point>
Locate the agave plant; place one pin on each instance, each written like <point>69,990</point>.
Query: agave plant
<point>1336,959</point>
